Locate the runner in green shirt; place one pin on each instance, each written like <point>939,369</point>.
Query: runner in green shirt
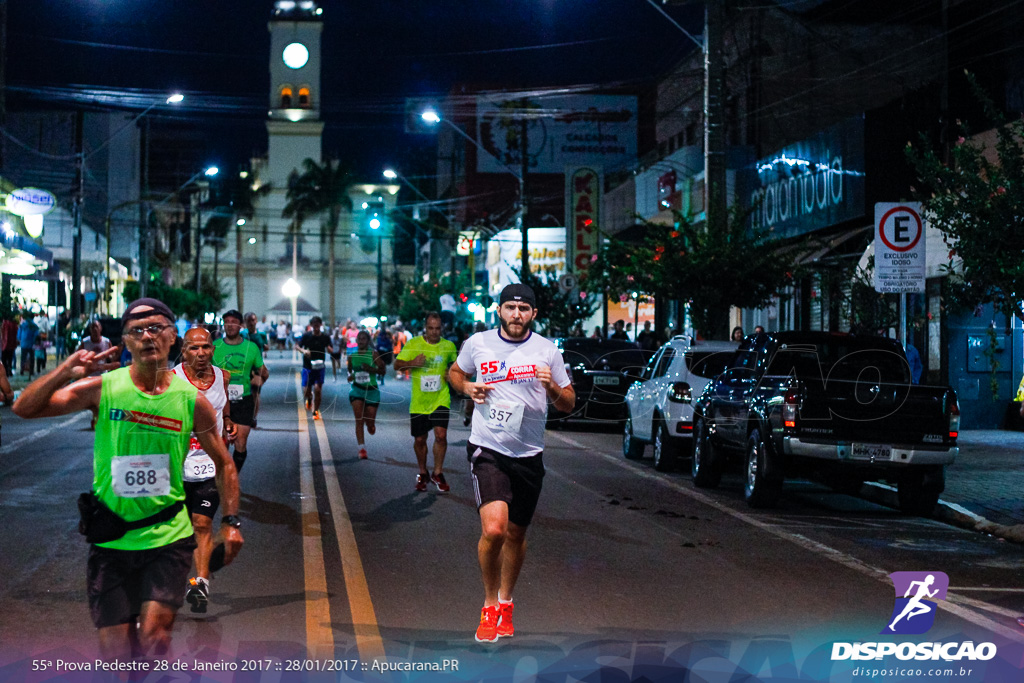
<point>428,358</point>
<point>363,366</point>
<point>256,381</point>
<point>146,416</point>
<point>243,359</point>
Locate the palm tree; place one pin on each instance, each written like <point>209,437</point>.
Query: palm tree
<point>321,188</point>
<point>300,206</point>
<point>244,196</point>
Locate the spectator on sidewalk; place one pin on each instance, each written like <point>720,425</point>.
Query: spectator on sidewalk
<point>27,333</point>
<point>8,343</point>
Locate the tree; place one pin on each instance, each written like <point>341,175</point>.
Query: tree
<point>321,188</point>
<point>977,202</point>
<point>557,312</point>
<point>711,271</point>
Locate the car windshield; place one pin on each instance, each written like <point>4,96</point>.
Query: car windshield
<point>604,354</point>
<point>708,364</point>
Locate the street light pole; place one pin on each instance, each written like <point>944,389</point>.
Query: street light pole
<point>76,235</point>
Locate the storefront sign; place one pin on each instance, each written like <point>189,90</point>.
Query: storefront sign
<point>812,184</point>
<point>583,193</point>
<point>30,201</point>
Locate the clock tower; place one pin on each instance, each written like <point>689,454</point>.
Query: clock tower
<point>294,127</point>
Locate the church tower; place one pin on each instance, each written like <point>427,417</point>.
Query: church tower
<point>294,126</point>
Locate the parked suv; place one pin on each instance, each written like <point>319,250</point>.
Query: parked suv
<point>658,405</point>
<point>600,370</point>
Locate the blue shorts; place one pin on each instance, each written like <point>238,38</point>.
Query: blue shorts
<point>316,376</point>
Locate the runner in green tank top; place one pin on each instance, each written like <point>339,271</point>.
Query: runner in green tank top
<point>363,366</point>
<point>146,417</point>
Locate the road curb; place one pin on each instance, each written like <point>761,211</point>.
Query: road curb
<point>947,512</point>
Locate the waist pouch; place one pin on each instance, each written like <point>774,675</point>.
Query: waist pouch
<point>100,524</point>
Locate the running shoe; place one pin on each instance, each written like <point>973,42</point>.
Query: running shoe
<point>362,454</point>
<point>487,631</point>
<point>505,628</point>
<point>308,405</point>
<point>442,485</point>
<point>198,594</point>
<point>316,414</point>
<point>422,479</point>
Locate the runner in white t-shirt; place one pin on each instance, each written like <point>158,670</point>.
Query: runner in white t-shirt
<point>518,374</point>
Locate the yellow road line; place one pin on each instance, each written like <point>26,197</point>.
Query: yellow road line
<point>319,637</point>
<point>364,619</point>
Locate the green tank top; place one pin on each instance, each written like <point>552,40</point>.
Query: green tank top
<point>362,361</point>
<point>139,452</point>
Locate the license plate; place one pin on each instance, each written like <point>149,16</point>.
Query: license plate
<point>871,451</point>
<point>606,381</point>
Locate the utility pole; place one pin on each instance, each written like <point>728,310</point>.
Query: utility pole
<point>144,214</point>
<point>715,200</point>
<point>524,152</point>
<point>76,240</point>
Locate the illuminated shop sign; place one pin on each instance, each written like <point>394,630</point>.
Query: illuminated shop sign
<point>812,184</point>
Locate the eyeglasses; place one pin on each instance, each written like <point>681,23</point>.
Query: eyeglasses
<point>139,332</point>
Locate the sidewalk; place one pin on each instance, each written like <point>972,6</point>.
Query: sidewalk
<point>984,487</point>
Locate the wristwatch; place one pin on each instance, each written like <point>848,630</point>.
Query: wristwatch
<point>232,520</point>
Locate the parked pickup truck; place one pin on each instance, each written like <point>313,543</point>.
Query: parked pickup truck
<point>835,407</point>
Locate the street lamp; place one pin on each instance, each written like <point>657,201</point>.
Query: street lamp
<point>292,289</point>
<point>431,117</point>
<point>209,172</point>
<point>76,257</point>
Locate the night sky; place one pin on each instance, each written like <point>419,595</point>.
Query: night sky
<point>376,53</point>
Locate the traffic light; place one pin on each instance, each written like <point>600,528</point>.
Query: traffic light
<point>462,297</point>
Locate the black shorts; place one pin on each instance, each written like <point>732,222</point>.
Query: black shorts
<point>422,423</point>
<point>119,581</point>
<point>517,481</point>
<point>202,497</point>
<point>242,410</point>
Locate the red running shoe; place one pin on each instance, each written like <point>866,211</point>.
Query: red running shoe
<point>442,485</point>
<point>422,480</point>
<point>362,454</point>
<point>505,627</point>
<point>487,631</point>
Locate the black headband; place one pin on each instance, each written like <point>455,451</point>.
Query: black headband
<point>156,307</point>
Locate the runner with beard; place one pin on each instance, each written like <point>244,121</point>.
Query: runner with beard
<point>201,497</point>
<point>518,373</point>
<point>242,359</point>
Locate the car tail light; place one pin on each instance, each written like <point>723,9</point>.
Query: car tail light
<point>680,393</point>
<point>953,408</point>
<point>789,408</point>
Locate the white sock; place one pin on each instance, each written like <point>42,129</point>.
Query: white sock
<point>503,601</point>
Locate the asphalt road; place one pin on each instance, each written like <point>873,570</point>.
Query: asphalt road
<point>630,572</point>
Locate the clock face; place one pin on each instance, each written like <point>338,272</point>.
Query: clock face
<point>295,56</point>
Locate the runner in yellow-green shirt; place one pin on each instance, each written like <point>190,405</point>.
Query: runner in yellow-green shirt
<point>146,418</point>
<point>428,358</point>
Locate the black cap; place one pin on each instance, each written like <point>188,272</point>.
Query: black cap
<point>157,308</point>
<point>233,314</point>
<point>518,292</point>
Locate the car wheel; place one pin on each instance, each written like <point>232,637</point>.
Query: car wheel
<point>919,488</point>
<point>632,447</point>
<point>760,490</point>
<point>706,467</point>
<point>664,450</point>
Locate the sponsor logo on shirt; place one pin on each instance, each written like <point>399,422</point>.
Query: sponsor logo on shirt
<point>494,371</point>
<point>119,415</point>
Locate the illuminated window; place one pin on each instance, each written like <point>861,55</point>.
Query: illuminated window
<point>303,97</point>
<point>286,97</point>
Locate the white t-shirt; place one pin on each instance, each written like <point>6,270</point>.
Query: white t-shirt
<point>96,347</point>
<point>512,420</point>
<point>199,466</point>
